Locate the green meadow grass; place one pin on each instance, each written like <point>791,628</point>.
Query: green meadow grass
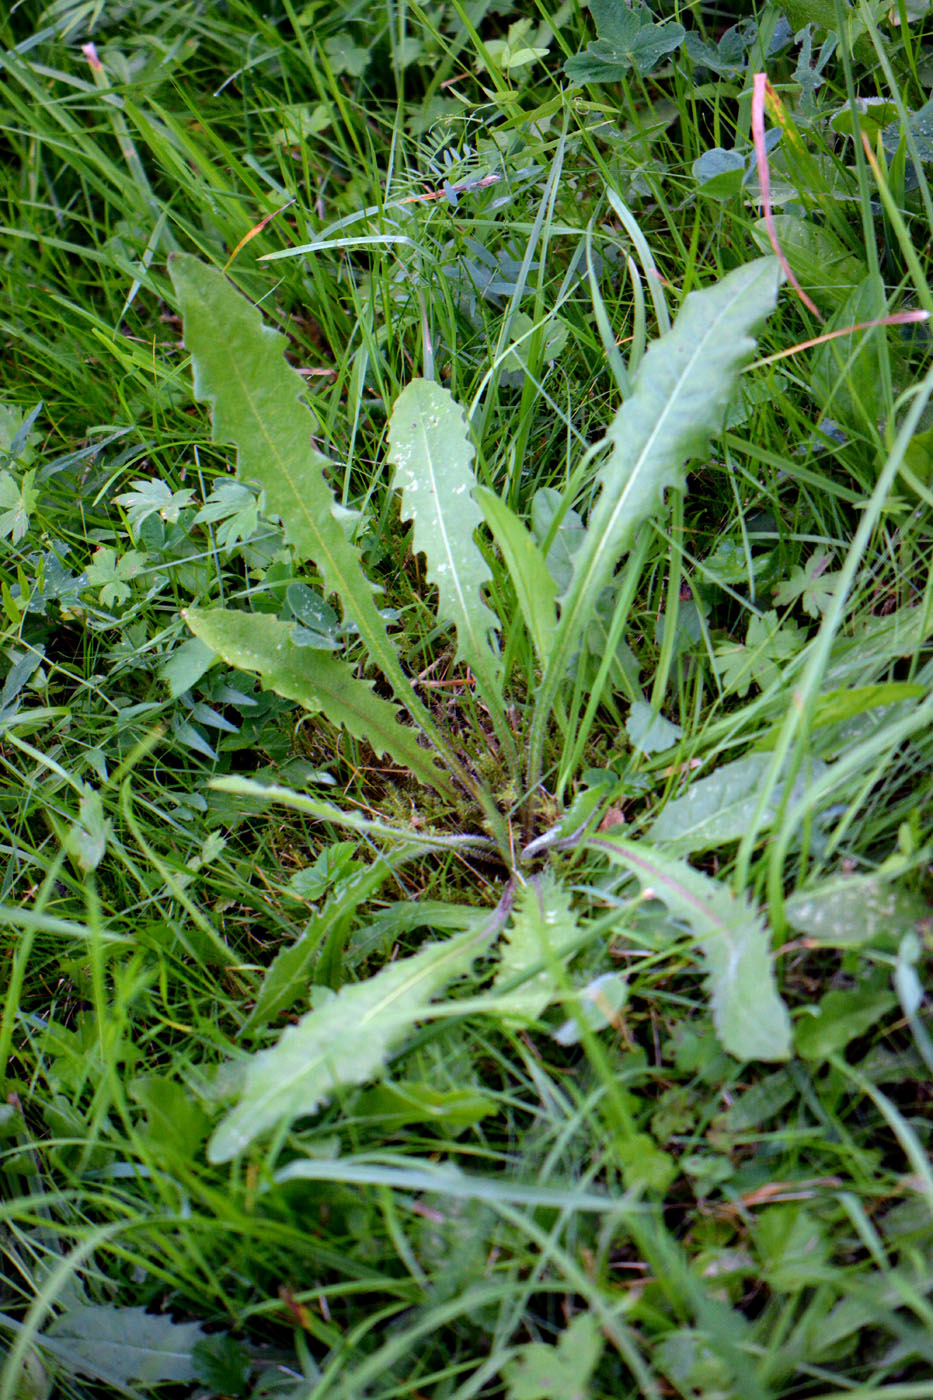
<point>594,1199</point>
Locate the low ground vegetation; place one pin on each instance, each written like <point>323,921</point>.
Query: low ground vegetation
<point>465,730</point>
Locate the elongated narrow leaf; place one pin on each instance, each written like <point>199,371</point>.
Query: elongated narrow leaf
<point>317,680</point>
<point>542,931</point>
<point>432,455</point>
<point>527,568</point>
<point>682,387</point>
<point>345,1041</point>
<point>239,368</point>
<point>286,978</point>
<point>750,1018</point>
<point>321,811</point>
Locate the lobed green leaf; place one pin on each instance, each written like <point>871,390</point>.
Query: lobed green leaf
<point>317,680</point>
<point>432,455</point>
<point>750,1018</point>
<point>682,388</point>
<point>342,1042</point>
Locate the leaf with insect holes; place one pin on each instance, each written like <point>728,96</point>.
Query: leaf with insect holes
<point>344,1041</point>
<point>317,680</point>
<point>541,934</point>
<point>678,398</point>
<point>750,1018</point>
<point>432,455</point>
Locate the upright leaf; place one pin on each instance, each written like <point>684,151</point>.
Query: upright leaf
<point>344,1041</point>
<point>286,978</point>
<point>256,399</point>
<point>317,680</point>
<point>432,456</point>
<point>750,1018</point>
<point>528,571</point>
<point>542,931</point>
<point>680,392</point>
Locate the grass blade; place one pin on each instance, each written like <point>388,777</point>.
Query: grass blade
<point>536,591</point>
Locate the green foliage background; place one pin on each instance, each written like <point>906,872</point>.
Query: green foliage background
<point>465,738</point>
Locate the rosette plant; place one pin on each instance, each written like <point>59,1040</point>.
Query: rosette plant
<point>534,724</point>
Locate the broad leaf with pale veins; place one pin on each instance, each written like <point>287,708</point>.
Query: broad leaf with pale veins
<point>343,1041</point>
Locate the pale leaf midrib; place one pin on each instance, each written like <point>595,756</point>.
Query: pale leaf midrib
<point>581,591</point>
<point>377,1009</point>
<point>448,552</point>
